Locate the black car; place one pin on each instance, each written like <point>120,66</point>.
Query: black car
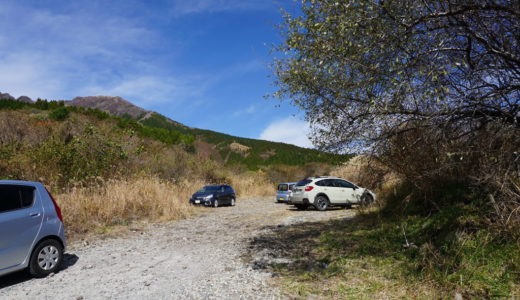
<point>214,195</point>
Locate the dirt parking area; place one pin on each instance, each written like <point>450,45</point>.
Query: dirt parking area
<point>207,257</point>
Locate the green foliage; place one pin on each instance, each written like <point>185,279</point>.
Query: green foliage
<point>100,115</point>
<point>59,114</point>
<point>266,153</point>
<point>165,135</point>
<point>11,104</point>
<point>80,158</point>
<point>362,70</point>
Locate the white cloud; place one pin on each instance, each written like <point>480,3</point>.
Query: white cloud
<point>183,7</point>
<point>59,56</point>
<point>246,111</point>
<point>290,131</point>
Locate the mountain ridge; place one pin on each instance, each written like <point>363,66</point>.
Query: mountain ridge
<point>222,147</point>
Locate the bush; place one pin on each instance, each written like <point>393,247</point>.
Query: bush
<point>59,114</point>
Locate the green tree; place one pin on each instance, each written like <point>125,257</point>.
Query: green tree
<point>364,71</point>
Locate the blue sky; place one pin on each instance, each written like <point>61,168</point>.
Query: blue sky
<point>204,63</point>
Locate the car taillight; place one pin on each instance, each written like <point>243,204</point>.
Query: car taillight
<point>308,188</point>
<point>56,207</point>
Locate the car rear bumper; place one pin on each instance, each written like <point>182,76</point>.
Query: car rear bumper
<point>303,199</point>
<point>282,199</point>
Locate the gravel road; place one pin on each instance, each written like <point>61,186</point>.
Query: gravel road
<point>199,258</point>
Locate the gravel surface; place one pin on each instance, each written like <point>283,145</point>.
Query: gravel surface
<point>200,258</point>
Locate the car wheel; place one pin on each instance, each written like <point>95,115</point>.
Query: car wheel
<point>46,258</point>
<point>367,199</point>
<point>232,201</point>
<point>215,203</point>
<point>321,203</point>
<point>301,207</point>
<point>348,206</point>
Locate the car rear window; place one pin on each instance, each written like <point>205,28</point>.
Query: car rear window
<point>13,197</point>
<point>303,182</point>
<point>283,187</point>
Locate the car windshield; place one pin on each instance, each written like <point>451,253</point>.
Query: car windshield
<point>209,188</point>
<point>283,187</point>
<point>303,182</point>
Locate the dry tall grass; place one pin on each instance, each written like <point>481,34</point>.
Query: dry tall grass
<point>252,184</point>
<point>119,202</point>
<point>368,172</point>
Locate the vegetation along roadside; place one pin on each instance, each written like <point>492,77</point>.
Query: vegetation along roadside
<point>429,90</point>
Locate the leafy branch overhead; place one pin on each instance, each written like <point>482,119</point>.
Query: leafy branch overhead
<point>367,70</point>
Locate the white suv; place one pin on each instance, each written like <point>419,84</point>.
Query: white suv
<point>324,191</point>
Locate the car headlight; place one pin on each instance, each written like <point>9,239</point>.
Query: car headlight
<point>208,197</point>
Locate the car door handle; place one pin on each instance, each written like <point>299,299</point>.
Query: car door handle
<point>34,214</point>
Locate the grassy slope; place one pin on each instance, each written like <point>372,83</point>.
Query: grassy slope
<point>284,153</point>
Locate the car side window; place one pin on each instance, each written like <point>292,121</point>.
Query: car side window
<point>229,189</point>
<point>14,197</point>
<point>321,183</point>
<point>345,184</point>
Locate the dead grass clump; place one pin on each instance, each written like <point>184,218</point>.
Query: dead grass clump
<point>368,172</point>
<point>240,149</point>
<point>119,202</point>
<point>251,184</point>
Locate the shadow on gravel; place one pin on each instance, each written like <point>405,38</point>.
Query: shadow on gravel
<point>313,246</point>
<point>23,276</point>
<point>293,208</point>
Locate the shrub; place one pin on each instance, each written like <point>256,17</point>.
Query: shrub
<point>59,114</point>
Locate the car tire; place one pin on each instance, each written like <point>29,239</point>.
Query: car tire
<point>215,203</point>
<point>301,207</point>
<point>46,258</point>
<point>348,206</point>
<point>321,203</point>
<point>233,201</point>
<point>367,199</point>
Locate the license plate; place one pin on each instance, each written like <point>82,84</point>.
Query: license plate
<point>281,199</point>
<point>197,201</point>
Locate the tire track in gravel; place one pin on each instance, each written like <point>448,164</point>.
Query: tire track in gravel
<point>199,258</point>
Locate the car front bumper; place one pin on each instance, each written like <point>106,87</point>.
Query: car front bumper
<point>201,202</point>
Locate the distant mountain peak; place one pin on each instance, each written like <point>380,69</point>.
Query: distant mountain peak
<point>114,105</point>
<point>8,96</point>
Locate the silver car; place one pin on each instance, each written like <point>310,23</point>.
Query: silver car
<point>31,229</point>
<point>284,192</point>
